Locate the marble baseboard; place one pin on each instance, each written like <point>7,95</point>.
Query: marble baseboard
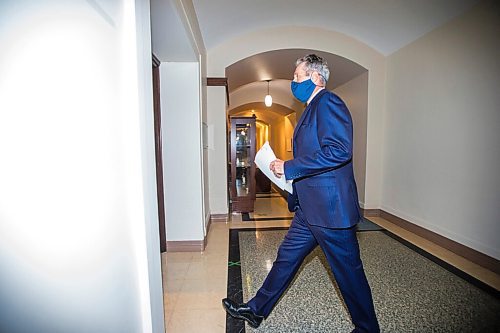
<point>476,257</point>
<point>186,246</point>
<point>219,217</point>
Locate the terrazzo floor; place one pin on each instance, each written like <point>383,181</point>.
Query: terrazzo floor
<point>268,207</point>
<point>411,293</point>
<point>195,282</point>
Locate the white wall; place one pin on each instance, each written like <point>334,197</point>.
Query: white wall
<point>217,150</point>
<point>355,94</point>
<point>182,150</point>
<point>206,144</point>
<point>79,245</point>
<point>208,136</point>
<point>188,16</point>
<point>442,145</point>
<point>281,130</point>
<point>151,242</point>
<point>289,123</point>
<point>231,51</point>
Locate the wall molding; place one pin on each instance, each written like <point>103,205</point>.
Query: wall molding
<point>187,245</point>
<point>219,218</point>
<point>370,212</point>
<point>476,257</point>
<point>218,82</point>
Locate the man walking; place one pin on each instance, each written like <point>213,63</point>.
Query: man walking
<point>324,200</point>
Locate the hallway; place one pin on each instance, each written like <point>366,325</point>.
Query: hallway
<point>79,206</point>
<point>195,283</point>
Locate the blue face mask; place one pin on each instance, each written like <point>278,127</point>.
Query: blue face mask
<point>303,90</point>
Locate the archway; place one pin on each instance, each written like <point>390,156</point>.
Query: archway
<point>232,51</point>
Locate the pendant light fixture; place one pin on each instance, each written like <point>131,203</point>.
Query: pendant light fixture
<point>268,100</point>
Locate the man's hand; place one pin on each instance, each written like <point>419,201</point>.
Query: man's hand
<point>277,167</point>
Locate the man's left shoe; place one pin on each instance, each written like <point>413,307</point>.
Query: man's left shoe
<point>242,311</point>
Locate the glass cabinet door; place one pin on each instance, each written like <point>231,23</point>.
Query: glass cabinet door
<point>242,164</point>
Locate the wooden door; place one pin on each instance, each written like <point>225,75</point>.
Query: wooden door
<point>158,154</point>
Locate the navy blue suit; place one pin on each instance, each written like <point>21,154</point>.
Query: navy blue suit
<point>326,208</point>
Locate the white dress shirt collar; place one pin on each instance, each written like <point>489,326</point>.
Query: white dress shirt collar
<point>314,94</point>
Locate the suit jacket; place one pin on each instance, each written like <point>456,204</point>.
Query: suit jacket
<point>322,173</point>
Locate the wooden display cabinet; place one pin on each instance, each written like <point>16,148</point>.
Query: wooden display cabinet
<point>242,166</point>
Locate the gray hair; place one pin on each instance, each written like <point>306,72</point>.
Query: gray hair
<point>314,63</point>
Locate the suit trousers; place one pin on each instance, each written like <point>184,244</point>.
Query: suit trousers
<point>342,252</point>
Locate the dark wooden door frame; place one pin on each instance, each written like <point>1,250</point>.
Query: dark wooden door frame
<point>158,153</point>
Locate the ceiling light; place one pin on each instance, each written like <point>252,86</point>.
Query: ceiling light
<point>268,100</point>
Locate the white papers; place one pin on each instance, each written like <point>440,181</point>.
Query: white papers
<point>263,158</point>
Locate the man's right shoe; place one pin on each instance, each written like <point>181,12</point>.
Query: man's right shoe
<point>242,311</point>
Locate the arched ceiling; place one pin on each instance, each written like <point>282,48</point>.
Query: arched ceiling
<point>254,92</point>
<point>280,64</point>
<point>276,109</point>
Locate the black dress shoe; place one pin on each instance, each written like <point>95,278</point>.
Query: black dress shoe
<point>242,311</point>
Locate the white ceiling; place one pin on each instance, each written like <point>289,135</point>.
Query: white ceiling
<point>169,38</point>
<point>385,25</point>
